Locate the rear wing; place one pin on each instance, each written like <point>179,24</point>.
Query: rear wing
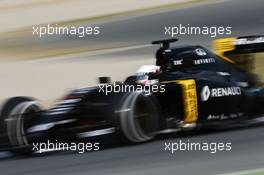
<point>239,45</point>
<point>244,44</point>
<point>240,51</point>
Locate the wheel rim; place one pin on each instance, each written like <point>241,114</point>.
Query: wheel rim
<point>137,122</point>
<point>16,126</point>
<point>145,117</point>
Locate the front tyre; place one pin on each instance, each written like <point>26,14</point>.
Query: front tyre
<point>14,113</point>
<point>139,117</point>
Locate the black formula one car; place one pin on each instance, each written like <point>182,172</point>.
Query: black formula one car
<point>189,87</point>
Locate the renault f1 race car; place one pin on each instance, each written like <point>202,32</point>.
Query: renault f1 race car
<point>189,87</point>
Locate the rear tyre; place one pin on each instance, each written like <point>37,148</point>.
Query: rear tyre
<point>12,122</point>
<point>139,117</point>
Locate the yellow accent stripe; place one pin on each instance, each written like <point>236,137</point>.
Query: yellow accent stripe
<point>189,100</point>
<point>189,96</point>
<point>223,45</point>
<point>225,58</point>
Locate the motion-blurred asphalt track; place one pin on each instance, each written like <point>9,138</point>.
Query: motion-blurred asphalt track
<point>246,18</point>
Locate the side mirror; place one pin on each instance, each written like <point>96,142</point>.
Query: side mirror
<point>104,80</point>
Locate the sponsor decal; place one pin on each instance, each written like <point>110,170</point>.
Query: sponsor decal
<point>242,84</point>
<point>177,62</point>
<point>200,52</point>
<point>244,41</point>
<point>204,61</point>
<point>207,93</point>
<point>196,62</point>
<point>217,117</point>
<point>224,117</point>
<point>189,100</point>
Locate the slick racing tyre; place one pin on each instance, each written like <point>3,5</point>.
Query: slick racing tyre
<point>139,117</point>
<point>12,122</point>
